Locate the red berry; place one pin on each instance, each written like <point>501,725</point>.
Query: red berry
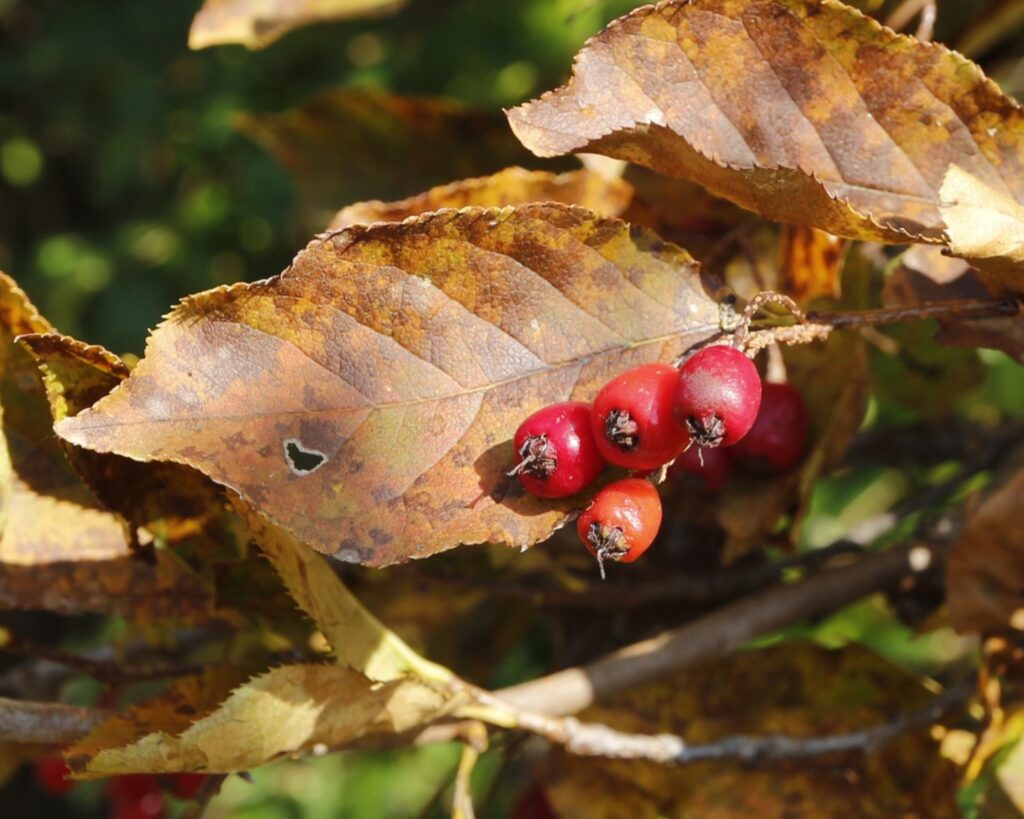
<point>622,522</point>
<point>717,396</point>
<point>132,787</point>
<point>137,796</point>
<point>556,454</point>
<point>186,785</point>
<point>712,464</point>
<point>779,434</point>
<point>52,775</point>
<point>633,421</point>
<point>533,805</point>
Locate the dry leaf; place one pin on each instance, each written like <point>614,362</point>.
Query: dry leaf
<point>985,225</point>
<point>985,574</point>
<point>258,23</point>
<point>60,550</point>
<point>810,262</point>
<point>928,276</point>
<point>171,712</point>
<point>173,502</point>
<point>365,399</point>
<point>353,144</point>
<point>802,111</point>
<point>794,689</point>
<point>357,639</point>
<point>512,186</point>
<point>287,711</point>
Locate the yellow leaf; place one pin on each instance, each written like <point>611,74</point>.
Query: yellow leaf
<point>288,711</point>
<point>258,23</point>
<point>984,225</point>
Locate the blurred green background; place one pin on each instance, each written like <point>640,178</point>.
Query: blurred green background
<point>124,184</point>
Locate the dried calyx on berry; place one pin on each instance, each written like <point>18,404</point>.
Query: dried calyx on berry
<point>537,458</point>
<point>556,453</point>
<point>632,418</point>
<point>717,396</point>
<point>622,522</point>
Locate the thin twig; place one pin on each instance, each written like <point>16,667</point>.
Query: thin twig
<point>105,671</point>
<point>715,635</point>
<point>46,723</point>
<point>704,588</point>
<point>953,308</point>
<point>595,739</point>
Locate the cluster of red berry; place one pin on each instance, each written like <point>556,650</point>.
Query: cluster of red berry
<point>139,796</point>
<point>643,419</point>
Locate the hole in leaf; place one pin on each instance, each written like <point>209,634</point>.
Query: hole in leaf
<point>301,460</point>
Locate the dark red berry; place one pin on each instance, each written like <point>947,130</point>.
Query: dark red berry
<point>556,454</point>
<point>779,434</point>
<point>533,805</point>
<point>186,785</point>
<point>52,775</point>
<point>712,465</point>
<point>132,787</point>
<point>622,522</point>
<point>633,421</point>
<point>137,796</point>
<point>717,396</point>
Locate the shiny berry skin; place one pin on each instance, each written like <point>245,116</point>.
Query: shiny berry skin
<point>556,454</point>
<point>779,434</point>
<point>137,796</point>
<point>132,787</point>
<point>633,421</point>
<point>713,465</point>
<point>52,775</point>
<point>622,522</point>
<point>717,396</point>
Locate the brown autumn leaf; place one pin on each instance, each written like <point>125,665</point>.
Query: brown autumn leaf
<point>925,275</point>
<point>258,23</point>
<point>986,225</point>
<point>810,262</point>
<point>173,502</point>
<point>365,399</point>
<point>348,145</point>
<point>172,711</point>
<point>60,550</point>
<point>512,186</point>
<point>796,689</point>
<point>985,573</point>
<point>805,111</point>
<point>285,712</point>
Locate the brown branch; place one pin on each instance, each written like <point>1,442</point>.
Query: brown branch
<point>714,635</point>
<point>45,723</point>
<point>953,308</point>
<point>105,671</point>
<point>595,739</point>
